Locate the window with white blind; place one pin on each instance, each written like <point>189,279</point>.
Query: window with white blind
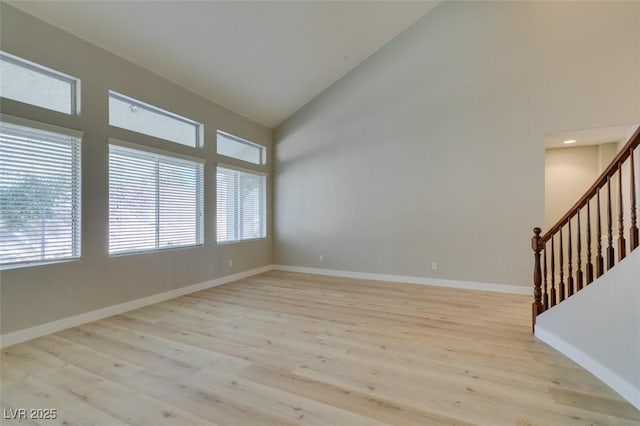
<point>155,200</point>
<point>241,205</point>
<point>39,192</point>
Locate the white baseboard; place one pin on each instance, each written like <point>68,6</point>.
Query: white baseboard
<point>469,285</point>
<point>611,379</point>
<point>76,320</point>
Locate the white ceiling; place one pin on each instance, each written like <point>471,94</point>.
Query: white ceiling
<point>590,136</point>
<point>263,59</point>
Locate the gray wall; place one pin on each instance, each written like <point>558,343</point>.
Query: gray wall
<point>432,149</point>
<point>35,295</point>
<point>569,173</point>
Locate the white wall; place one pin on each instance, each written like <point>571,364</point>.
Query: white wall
<point>569,173</point>
<point>432,149</point>
<point>599,328</point>
<point>40,294</point>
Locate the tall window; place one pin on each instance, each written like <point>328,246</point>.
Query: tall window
<point>34,84</point>
<point>241,205</point>
<point>155,200</point>
<point>39,192</point>
<point>131,114</point>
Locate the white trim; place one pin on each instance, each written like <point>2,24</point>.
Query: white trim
<point>229,136</point>
<point>158,110</point>
<point>228,166</point>
<point>238,139</point>
<point>611,379</point>
<point>74,82</point>
<point>8,119</point>
<point>469,285</point>
<point>156,151</point>
<point>199,142</point>
<point>34,66</point>
<point>76,320</point>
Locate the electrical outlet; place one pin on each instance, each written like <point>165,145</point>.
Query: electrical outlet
<point>322,258</point>
<point>434,266</point>
<point>230,262</point>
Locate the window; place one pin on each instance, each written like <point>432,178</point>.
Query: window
<point>155,200</point>
<point>34,84</point>
<point>241,149</point>
<point>241,205</point>
<point>131,114</point>
<point>39,192</point>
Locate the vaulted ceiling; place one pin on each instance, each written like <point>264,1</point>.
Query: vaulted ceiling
<point>263,59</point>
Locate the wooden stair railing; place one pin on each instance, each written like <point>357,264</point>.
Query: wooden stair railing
<point>545,292</point>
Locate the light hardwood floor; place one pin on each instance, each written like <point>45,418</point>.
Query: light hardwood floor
<point>283,349</point>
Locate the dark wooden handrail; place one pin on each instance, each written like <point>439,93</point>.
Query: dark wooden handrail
<point>620,158</point>
<point>605,183</point>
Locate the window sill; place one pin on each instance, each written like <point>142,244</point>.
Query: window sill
<point>154,251</point>
<point>38,263</point>
<point>225,243</point>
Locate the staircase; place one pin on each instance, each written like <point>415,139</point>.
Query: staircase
<point>564,259</point>
<point>586,278</point>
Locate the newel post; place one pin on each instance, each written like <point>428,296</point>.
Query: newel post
<point>537,306</point>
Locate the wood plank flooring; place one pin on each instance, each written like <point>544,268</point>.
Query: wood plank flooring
<point>293,349</point>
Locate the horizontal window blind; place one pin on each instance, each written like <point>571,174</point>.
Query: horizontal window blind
<point>39,195</point>
<point>241,205</point>
<point>155,201</point>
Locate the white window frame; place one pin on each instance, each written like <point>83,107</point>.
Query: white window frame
<point>199,231</point>
<point>74,82</point>
<point>76,219</point>
<point>238,209</point>
<point>262,148</point>
<point>199,127</point>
